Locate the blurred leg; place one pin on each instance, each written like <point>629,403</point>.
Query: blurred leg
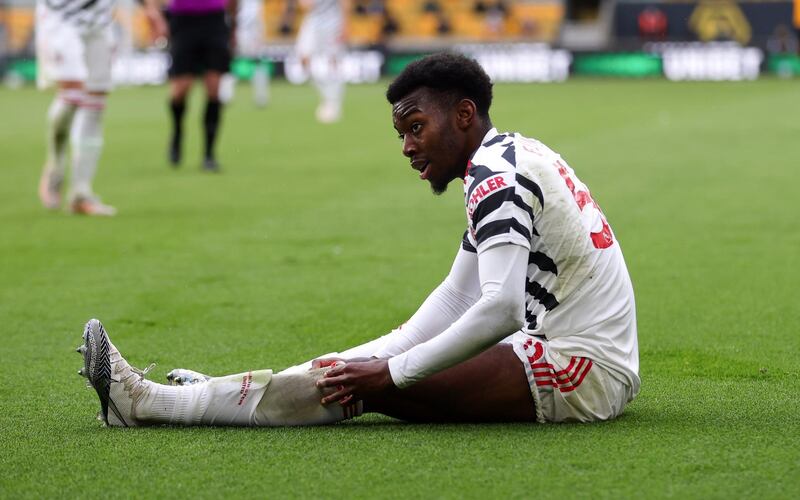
<point>59,119</point>
<point>86,136</point>
<point>87,143</point>
<point>211,117</point>
<point>179,87</point>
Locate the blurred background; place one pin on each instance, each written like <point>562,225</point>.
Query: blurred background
<point>515,40</point>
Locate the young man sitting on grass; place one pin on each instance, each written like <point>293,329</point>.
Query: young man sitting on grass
<point>535,322</point>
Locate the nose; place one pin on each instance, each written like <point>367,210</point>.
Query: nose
<point>409,146</point>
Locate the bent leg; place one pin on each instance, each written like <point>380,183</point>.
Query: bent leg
<point>491,387</point>
<point>59,120</point>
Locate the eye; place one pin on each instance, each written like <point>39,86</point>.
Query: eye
<point>415,128</point>
<point>400,136</point>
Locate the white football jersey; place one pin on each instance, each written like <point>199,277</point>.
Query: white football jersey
<point>578,292</point>
<point>326,17</point>
<point>85,15</point>
<point>325,9</point>
<point>322,30</point>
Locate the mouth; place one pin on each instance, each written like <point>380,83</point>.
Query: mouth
<point>422,167</point>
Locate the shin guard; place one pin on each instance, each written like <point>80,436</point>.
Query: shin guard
<point>293,399</point>
<point>232,400</point>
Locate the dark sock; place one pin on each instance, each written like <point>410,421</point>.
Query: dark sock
<point>177,108</point>
<point>211,123</point>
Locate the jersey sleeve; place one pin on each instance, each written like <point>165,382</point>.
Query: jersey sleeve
<point>498,211</point>
<point>467,244</point>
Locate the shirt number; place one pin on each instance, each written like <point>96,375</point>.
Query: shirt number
<point>602,238</point>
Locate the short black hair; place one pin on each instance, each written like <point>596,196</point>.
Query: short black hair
<point>453,75</point>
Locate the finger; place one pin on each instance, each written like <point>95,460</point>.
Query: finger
<point>336,369</point>
<point>340,394</point>
<point>323,362</point>
<point>346,400</point>
<point>327,381</point>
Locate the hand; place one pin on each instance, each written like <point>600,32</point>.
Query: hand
<point>355,380</point>
<point>159,30</point>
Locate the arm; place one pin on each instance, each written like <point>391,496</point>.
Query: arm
<point>158,25</point>
<point>448,302</point>
<point>459,290</point>
<point>497,314</point>
<point>232,9</point>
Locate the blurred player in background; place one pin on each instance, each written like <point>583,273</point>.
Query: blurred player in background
<point>250,45</point>
<point>201,39</point>
<point>535,322</point>
<point>74,49</point>
<point>320,47</point>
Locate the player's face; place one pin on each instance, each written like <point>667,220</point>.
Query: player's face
<point>431,139</point>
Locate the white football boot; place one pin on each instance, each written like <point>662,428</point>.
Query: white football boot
<point>119,386</point>
<point>91,205</point>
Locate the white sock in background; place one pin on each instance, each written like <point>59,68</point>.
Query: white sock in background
<point>326,75</point>
<point>227,88</point>
<point>87,144</point>
<point>260,82</point>
<point>59,119</point>
<point>333,91</point>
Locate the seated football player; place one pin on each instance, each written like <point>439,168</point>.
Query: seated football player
<point>534,322</point>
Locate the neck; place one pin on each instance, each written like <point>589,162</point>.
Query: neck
<point>476,136</point>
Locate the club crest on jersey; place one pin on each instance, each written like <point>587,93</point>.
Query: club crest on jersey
<point>483,190</point>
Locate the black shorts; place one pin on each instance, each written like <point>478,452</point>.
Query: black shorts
<point>199,43</point>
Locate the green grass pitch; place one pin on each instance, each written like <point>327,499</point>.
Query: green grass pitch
<point>320,237</point>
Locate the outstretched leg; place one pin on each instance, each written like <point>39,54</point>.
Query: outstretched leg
<point>254,398</point>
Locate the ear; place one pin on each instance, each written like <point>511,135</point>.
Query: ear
<point>466,113</point>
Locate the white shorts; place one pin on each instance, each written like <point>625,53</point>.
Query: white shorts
<point>568,388</point>
<point>320,38</point>
<point>65,53</point>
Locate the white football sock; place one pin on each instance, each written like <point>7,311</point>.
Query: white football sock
<point>87,144</point>
<point>245,399</point>
<point>167,404</point>
<point>333,91</point>
<point>329,81</point>
<point>260,82</point>
<point>233,399</point>
<point>59,119</point>
<point>229,400</point>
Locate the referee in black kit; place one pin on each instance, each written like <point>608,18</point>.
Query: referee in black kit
<point>201,39</point>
